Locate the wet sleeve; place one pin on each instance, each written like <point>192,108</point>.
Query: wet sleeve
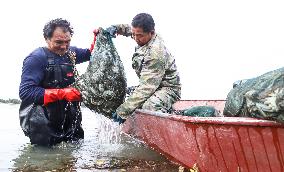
<point>123,29</point>
<point>32,75</point>
<point>153,70</point>
<point>82,55</point>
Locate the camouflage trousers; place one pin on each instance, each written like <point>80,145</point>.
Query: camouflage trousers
<point>162,100</point>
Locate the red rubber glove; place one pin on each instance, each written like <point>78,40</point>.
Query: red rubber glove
<point>96,31</point>
<point>69,94</point>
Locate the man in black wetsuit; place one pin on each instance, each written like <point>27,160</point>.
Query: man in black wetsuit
<point>50,109</point>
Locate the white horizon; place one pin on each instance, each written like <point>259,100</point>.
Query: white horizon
<point>214,42</point>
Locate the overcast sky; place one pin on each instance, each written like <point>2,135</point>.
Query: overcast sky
<point>215,42</point>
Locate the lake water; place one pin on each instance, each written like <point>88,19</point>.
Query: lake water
<point>104,148</point>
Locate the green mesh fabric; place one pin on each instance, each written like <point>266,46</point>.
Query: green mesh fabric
<point>201,111</point>
<point>260,97</point>
<point>103,85</point>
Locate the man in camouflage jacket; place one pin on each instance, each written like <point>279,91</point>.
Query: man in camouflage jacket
<point>159,83</point>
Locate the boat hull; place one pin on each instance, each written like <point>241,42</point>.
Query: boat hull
<point>211,143</point>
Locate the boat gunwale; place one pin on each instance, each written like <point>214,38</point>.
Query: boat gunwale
<point>240,121</point>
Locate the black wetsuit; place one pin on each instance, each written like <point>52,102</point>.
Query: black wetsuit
<point>58,121</point>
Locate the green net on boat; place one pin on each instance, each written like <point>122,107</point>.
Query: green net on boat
<point>201,111</point>
<point>260,97</point>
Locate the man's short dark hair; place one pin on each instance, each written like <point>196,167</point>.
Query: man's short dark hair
<point>53,24</point>
<point>144,21</point>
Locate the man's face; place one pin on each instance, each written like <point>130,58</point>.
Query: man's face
<point>140,36</point>
<point>59,42</point>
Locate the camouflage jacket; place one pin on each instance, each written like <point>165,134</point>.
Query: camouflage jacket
<point>155,67</point>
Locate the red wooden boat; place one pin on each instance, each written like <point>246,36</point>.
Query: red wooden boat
<point>227,144</point>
